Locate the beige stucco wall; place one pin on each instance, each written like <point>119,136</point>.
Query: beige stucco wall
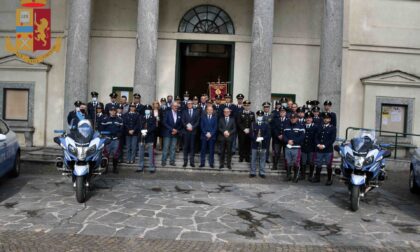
<point>379,36</point>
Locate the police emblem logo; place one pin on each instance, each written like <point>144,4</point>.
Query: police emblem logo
<point>33,32</point>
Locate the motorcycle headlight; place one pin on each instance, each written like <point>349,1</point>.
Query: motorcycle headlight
<point>368,160</point>
<point>91,150</point>
<point>350,158</point>
<point>358,162</point>
<point>72,150</point>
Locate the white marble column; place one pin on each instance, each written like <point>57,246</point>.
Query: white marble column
<point>331,55</point>
<point>146,51</point>
<point>77,56</point>
<point>261,53</point>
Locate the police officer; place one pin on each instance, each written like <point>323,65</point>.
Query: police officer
<point>324,141</point>
<point>267,117</point>
<point>260,135</point>
<point>294,134</point>
<point>80,114</point>
<point>137,101</point>
<point>239,105</point>
<point>327,108</point>
<point>114,125</point>
<point>131,132</point>
<point>99,116</point>
<point>203,103</point>
<point>72,114</point>
<point>92,105</point>
<point>228,104</point>
<point>169,100</point>
<point>146,126</point>
<point>113,102</point>
<point>308,146</point>
<point>218,106</point>
<point>244,121</point>
<point>124,104</point>
<point>301,115</point>
<point>277,131</point>
<point>317,119</point>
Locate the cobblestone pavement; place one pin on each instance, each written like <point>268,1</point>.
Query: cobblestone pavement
<point>179,212</point>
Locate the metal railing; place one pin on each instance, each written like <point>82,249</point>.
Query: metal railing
<point>394,135</point>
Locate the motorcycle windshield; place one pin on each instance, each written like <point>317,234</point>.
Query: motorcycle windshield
<point>364,141</point>
<point>84,132</point>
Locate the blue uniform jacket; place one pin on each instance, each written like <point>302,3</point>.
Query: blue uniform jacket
<point>150,125</point>
<point>265,133</point>
<point>278,127</point>
<point>232,108</point>
<point>326,135</point>
<point>114,125</point>
<point>168,124</point>
<point>294,132</point>
<point>130,122</point>
<point>309,141</point>
<point>207,125</point>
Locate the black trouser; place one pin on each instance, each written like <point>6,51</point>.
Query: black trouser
<point>244,146</point>
<point>226,151</point>
<point>188,146</point>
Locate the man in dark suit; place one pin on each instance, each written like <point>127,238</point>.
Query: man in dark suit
<point>227,130</point>
<point>171,129</point>
<point>208,126</point>
<point>190,121</point>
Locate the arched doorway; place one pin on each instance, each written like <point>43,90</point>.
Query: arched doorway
<point>201,61</point>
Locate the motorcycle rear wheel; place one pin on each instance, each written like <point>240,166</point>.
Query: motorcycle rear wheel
<point>354,197</point>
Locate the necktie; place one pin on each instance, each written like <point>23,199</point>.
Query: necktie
<point>227,120</point>
<point>190,112</point>
<point>209,117</point>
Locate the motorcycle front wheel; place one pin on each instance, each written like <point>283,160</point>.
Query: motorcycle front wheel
<point>354,197</point>
<point>81,189</point>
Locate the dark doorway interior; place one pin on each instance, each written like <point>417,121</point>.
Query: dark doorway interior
<point>203,63</point>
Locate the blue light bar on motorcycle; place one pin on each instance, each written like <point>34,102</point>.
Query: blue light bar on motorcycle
<point>59,131</point>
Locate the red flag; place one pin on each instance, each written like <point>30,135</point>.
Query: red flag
<point>42,29</point>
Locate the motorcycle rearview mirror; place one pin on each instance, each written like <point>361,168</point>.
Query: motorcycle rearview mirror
<point>385,145</point>
<point>57,140</point>
<point>337,148</point>
<point>339,139</point>
<point>387,154</point>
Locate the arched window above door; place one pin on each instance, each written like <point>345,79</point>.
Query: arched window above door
<point>206,19</point>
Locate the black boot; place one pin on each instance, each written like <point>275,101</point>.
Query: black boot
<point>295,174</point>
<point>317,177</point>
<point>114,165</point>
<point>329,176</point>
<point>311,173</point>
<point>289,173</point>
<point>302,174</point>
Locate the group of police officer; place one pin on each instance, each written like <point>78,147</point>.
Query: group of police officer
<point>302,136</point>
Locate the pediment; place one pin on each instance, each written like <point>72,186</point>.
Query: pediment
<point>396,78</point>
<point>12,62</point>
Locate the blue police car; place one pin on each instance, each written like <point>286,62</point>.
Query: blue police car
<point>414,179</point>
<point>9,151</point>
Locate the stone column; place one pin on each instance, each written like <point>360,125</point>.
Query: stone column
<point>331,55</point>
<point>77,57</point>
<point>146,51</point>
<point>261,53</point>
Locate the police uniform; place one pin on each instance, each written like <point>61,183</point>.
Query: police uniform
<point>325,137</point>
<point>301,115</point>
<point>92,106</point>
<point>111,104</point>
<point>277,131</point>
<point>317,119</point>
<point>218,107</point>
<point>308,147</point>
<point>147,131</point>
<point>231,106</point>
<point>139,106</point>
<point>113,125</point>
<point>268,118</point>
<point>244,122</point>
<point>185,101</point>
<point>72,114</point>
<point>130,121</point>
<point>99,116</point>
<point>260,135</point>
<point>296,133</point>
<point>239,106</point>
<point>332,114</point>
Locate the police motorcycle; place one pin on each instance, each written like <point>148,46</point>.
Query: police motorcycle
<point>82,156</point>
<point>363,164</point>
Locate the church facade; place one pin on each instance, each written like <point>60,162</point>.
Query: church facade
<point>364,56</point>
